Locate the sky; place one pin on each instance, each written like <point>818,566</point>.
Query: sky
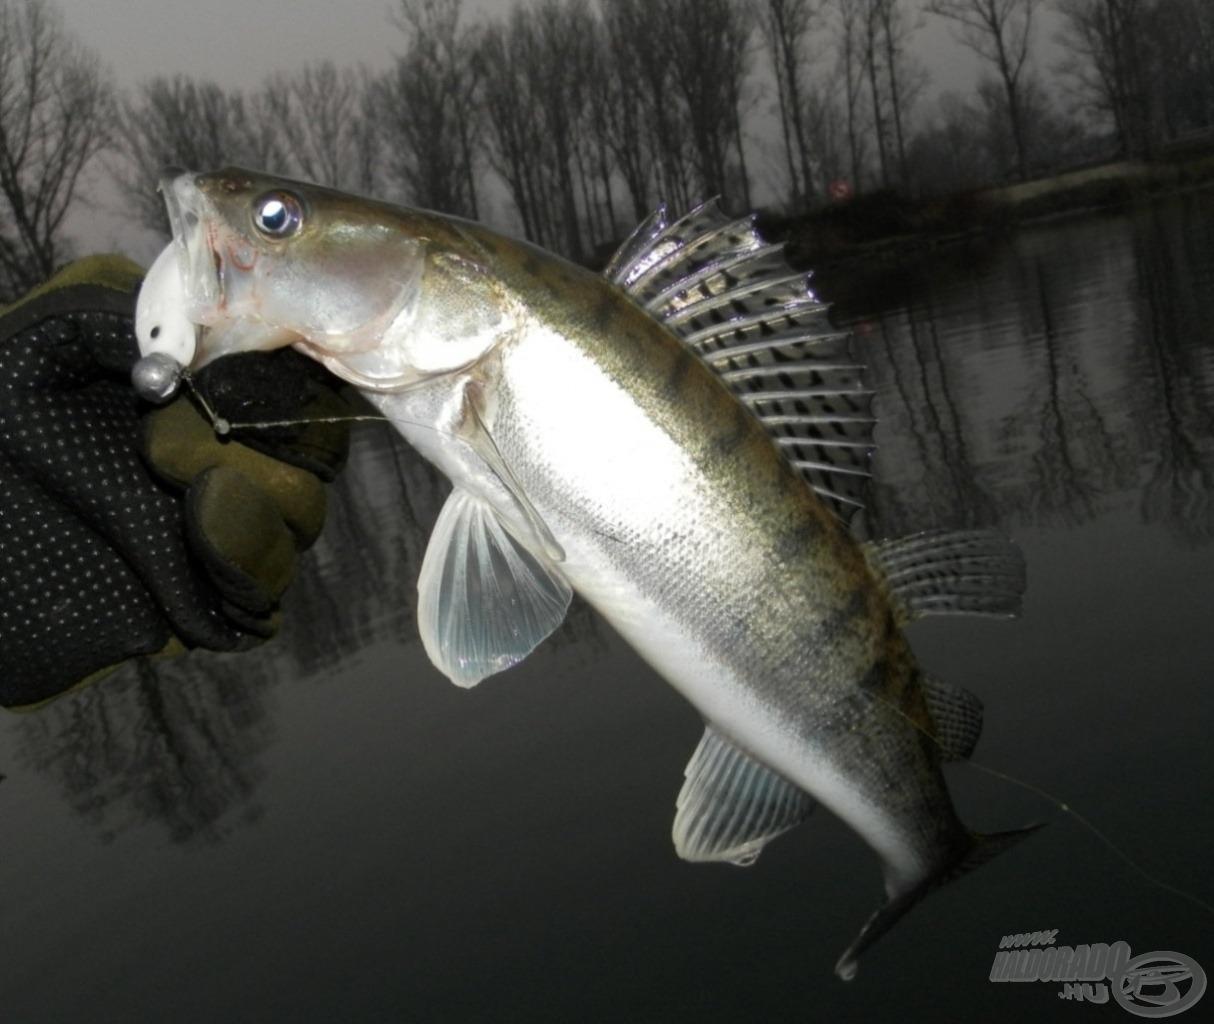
<point>233,42</point>
<point>238,43</point>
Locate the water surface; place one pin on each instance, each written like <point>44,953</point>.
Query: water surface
<point>328,830</point>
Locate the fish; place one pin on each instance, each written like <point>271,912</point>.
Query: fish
<point>683,440</point>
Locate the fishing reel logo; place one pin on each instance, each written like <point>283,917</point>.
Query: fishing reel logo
<point>1158,984</point>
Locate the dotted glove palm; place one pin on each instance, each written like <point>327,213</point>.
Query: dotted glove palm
<point>129,530</point>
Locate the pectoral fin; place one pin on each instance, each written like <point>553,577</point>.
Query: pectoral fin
<point>485,599</point>
<point>476,435</point>
<point>730,807</point>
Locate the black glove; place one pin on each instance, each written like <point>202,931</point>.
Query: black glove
<point>128,530</point>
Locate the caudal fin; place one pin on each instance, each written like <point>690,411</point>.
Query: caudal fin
<point>982,849</point>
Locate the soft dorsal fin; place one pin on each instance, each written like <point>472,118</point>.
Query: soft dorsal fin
<point>950,572</point>
<point>730,807</point>
<point>734,300</point>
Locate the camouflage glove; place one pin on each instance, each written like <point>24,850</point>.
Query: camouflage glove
<point>126,529</point>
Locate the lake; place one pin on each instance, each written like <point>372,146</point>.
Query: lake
<point>326,829</point>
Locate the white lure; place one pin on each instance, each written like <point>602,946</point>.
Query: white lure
<point>167,339</point>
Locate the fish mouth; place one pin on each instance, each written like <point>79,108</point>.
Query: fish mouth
<point>190,216</point>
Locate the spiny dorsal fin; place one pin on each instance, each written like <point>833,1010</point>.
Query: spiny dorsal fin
<point>730,807</point>
<point>951,572</point>
<point>735,301</point>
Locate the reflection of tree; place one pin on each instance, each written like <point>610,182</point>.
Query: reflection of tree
<point>1078,458</point>
<point>1175,348</point>
<point>173,744</point>
<point>928,416</point>
<point>1044,385</point>
<point>359,584</point>
<point>177,741</point>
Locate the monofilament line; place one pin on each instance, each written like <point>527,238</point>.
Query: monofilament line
<point>223,427</point>
<point>1065,808</point>
<point>1112,846</point>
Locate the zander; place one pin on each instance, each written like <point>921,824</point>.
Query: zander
<point>681,440</point>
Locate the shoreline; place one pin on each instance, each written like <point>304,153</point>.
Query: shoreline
<point>886,226</point>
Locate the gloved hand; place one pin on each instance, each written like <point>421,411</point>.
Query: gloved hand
<point>127,529</point>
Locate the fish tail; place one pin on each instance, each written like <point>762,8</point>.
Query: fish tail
<point>980,849</point>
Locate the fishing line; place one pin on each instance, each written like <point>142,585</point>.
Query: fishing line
<point>1066,808</point>
<point>223,427</point>
<point>1062,806</point>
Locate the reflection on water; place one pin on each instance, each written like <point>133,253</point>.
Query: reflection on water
<point>1068,378</point>
<point>1071,377</point>
<point>1060,387</point>
<point>170,745</point>
<point>177,741</point>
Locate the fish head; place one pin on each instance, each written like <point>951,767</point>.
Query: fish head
<point>384,296</point>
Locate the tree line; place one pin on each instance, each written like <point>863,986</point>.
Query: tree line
<point>587,114</point>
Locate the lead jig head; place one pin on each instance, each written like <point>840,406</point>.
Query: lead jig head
<point>156,377</point>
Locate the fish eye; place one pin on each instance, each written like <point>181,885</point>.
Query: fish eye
<point>278,214</point>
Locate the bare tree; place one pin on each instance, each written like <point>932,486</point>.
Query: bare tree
<point>849,35</point>
<point>516,139</point>
<point>618,107</point>
<point>427,109</point>
<point>643,55</point>
<point>55,107</point>
<point>318,118</point>
<point>1104,38</point>
<point>787,27</point>
<point>998,31</point>
<point>560,62</point>
<point>595,153</point>
<point>551,127</point>
<point>196,125</point>
<point>871,54</point>
<point>709,58</point>
<point>895,80</point>
<point>951,150</point>
<point>598,152</point>
<point>1177,37</point>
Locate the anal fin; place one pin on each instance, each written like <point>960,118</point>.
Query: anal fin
<point>731,806</point>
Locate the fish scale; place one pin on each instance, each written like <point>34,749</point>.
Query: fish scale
<point>681,442</point>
